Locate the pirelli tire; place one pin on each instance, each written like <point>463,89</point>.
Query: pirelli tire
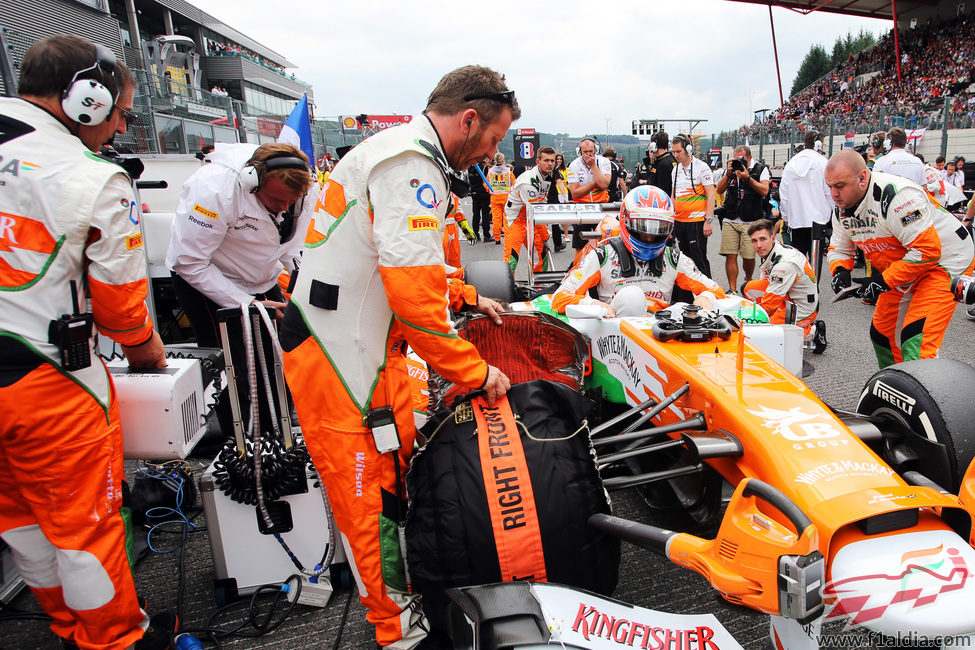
<point>492,279</point>
<point>927,414</point>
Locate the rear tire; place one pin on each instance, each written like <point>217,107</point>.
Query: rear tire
<point>927,415</point>
<point>492,279</point>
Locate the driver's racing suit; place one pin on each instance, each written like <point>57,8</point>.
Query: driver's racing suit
<point>66,216</point>
<point>530,187</point>
<point>372,281</point>
<point>918,247</point>
<point>786,275</point>
<point>611,268</point>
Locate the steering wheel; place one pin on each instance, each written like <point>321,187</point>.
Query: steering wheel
<point>693,326</point>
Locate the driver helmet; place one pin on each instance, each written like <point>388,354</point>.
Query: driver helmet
<point>646,221</point>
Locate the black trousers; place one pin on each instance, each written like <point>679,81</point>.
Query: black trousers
<point>202,313</point>
<point>481,219</point>
<point>692,242</point>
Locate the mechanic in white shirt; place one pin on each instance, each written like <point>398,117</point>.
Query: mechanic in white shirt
<point>899,161</point>
<point>804,198</point>
<point>589,176</point>
<point>958,177</point>
<point>241,220</point>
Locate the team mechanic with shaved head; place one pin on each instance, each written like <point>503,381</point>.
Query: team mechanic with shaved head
<point>915,244</point>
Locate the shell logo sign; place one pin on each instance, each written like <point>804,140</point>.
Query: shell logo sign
<point>375,122</point>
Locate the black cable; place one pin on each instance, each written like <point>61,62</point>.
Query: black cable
<point>345,615</point>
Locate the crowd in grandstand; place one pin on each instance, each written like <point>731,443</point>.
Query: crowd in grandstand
<point>232,49</point>
<point>937,60</point>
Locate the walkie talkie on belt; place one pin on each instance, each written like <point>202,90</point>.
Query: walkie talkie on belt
<point>71,333</point>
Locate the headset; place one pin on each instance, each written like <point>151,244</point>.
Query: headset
<point>878,141</point>
<point>687,142</point>
<point>595,142</point>
<point>253,172</point>
<point>653,148</point>
<point>818,143</point>
<point>86,100</point>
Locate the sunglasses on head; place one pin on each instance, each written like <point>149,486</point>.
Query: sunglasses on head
<point>505,97</point>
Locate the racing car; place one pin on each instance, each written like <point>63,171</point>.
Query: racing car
<point>865,515</point>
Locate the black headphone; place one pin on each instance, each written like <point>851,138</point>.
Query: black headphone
<point>877,141</point>
<point>86,100</point>
<point>469,120</point>
<point>595,142</point>
<point>688,144</point>
<point>253,172</point>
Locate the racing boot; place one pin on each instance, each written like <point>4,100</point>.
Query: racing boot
<point>819,338</point>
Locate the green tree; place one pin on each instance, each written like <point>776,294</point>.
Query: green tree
<point>817,62</point>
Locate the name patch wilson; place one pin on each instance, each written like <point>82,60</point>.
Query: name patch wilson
<point>209,214</point>
<point>424,223</point>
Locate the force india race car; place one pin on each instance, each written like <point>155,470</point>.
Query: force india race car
<point>864,517</point>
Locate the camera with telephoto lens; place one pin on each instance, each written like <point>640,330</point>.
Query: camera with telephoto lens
<point>738,164</point>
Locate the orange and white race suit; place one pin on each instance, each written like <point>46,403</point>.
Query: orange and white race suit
<point>918,247</point>
<point>500,179</point>
<point>604,270</point>
<point>578,173</point>
<point>530,187</point>
<point>372,282</point>
<point>786,275</point>
<point>66,216</point>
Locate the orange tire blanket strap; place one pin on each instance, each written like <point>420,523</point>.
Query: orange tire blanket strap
<point>511,500</point>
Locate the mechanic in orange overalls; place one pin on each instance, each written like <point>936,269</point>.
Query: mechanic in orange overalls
<point>453,226</point>
<point>914,244</point>
<point>500,179</point>
<point>69,222</point>
<point>530,187</point>
<point>372,282</point>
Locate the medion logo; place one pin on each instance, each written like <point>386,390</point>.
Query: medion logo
<point>893,396</point>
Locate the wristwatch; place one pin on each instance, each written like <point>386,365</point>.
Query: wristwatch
<point>708,219</point>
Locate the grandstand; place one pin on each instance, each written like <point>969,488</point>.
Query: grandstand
<point>862,95</point>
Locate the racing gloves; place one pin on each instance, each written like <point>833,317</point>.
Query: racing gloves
<point>841,279</point>
<point>872,288</point>
<point>468,233</point>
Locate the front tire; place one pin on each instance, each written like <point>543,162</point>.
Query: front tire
<point>492,279</point>
<point>927,414</point>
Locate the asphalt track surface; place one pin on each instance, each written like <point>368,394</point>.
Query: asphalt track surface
<point>645,580</point>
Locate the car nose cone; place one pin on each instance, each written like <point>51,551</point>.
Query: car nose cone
<point>907,585</point>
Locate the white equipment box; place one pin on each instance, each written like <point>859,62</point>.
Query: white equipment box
<point>244,558</point>
<point>162,408</point>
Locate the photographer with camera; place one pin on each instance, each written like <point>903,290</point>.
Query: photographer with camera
<point>745,185</point>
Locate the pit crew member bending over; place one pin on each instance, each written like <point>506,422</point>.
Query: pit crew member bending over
<point>785,274</point>
<point>636,272</point>
<point>69,223</point>
<point>372,282</point>
<point>916,246</point>
<point>240,221</point>
<point>530,187</point>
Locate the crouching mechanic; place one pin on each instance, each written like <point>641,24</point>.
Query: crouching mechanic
<point>70,235</point>
<point>915,245</point>
<point>785,274</point>
<point>373,282</point>
<point>530,187</point>
<point>240,221</point>
<point>636,272</point>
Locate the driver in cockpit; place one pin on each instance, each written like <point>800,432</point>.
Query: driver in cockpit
<point>635,273</point>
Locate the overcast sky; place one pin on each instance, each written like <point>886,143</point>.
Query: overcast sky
<point>573,63</point>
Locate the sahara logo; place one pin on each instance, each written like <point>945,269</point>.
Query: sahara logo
<point>30,247</point>
<point>925,574</point>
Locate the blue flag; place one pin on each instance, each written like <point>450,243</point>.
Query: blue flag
<point>297,130</point>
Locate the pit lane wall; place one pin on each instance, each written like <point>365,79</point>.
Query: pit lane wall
<point>961,142</point>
